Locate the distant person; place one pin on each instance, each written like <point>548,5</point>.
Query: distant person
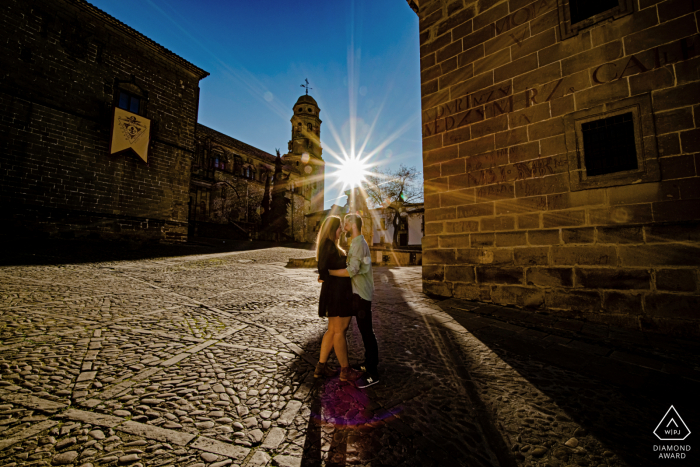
<point>335,301</point>
<point>359,269</point>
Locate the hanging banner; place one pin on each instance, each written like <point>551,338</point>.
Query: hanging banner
<point>130,132</point>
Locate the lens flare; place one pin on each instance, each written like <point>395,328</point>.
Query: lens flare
<point>352,172</point>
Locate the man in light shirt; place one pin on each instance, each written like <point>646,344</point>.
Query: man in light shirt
<point>360,272</point>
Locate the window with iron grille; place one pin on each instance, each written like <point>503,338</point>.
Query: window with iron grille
<point>580,10</point>
<point>577,15</point>
<point>609,145</point>
<point>612,144</point>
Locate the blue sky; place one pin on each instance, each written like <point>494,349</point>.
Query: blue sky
<point>361,58</point>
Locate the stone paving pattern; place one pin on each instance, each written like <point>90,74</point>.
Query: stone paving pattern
<point>207,360</point>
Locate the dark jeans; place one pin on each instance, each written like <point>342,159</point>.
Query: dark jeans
<point>364,324</point>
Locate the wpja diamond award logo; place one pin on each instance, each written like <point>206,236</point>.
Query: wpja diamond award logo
<point>672,428</point>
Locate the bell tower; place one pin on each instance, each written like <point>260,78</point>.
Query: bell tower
<point>305,150</point>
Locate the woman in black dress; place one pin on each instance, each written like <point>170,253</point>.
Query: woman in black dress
<point>336,298</point>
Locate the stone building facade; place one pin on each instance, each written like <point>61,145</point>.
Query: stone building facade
<point>65,66</point>
<point>560,149</point>
<point>227,188</point>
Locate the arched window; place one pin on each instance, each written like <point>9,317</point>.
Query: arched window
<point>309,127</point>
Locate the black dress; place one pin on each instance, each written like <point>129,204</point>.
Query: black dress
<point>336,292</point>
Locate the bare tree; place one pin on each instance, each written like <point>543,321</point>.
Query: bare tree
<point>393,190</point>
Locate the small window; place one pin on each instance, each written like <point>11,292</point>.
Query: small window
<point>129,102</point>
<point>297,163</point>
<point>309,127</point>
<point>301,109</point>
<point>584,9</point>
<point>577,15</point>
<point>309,110</point>
<point>609,145</point>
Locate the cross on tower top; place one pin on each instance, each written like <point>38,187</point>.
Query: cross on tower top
<point>306,86</point>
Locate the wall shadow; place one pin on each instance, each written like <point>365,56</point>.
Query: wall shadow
<point>617,403</point>
<point>49,251</point>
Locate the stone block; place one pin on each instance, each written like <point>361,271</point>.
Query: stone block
<point>477,146</point>
<point>606,278</point>
<point>457,136</point>
<point>660,254</point>
<point>495,192</point>
<point>430,242</point>
<point>575,300</point>
<point>454,20</point>
<point>431,172</point>
<point>475,210</point>
<point>661,34</point>
<point>489,62</point>
<point>481,293</point>
<point>456,76</point>
<point>602,94</point>
<point>591,58</point>
<point>690,140</point>
<point>460,274</point>
<point>652,80</point>
<point>582,235</point>
<point>531,256</point>
<point>489,15</point>
<point>449,51</point>
<point>543,237</point>
<point>485,239</point>
<point>621,27</point>
<point>438,256</point>
<point>436,45</point>
<point>511,137</point>
<point>565,49</point>
<point>620,235</point>
<point>624,303</point>
<point>630,214</point>
<point>484,256</point>
<point>457,197</point>
<point>584,255</point>
<point>536,78</point>
<point>471,55</point>
<point>677,96</point>
<point>441,289</point>
<point>489,224</point>
<point>679,210</point>
<point>490,126</point>
<point>533,44</point>
<point>668,305</point>
<point>550,277</point>
<point>433,228</point>
<point>677,280</point>
<point>454,241</point>
<point>563,218</point>
<point>499,275</point>
<point>505,239</point>
<point>440,155</point>
<point>461,226</point>
<point>524,152</point>
<point>642,193</point>
<point>527,221</point>
<point>432,215</point>
<point>677,167</point>
<point>516,67</point>
<point>523,297</point>
<point>575,199</point>
<point>433,272</point>
<point>673,232</point>
<point>542,186</point>
<point>453,167</point>
<point>521,205</point>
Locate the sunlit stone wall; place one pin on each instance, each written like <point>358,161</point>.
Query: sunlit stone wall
<point>519,211</point>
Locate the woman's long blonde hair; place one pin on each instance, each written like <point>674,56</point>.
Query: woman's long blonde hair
<point>327,231</point>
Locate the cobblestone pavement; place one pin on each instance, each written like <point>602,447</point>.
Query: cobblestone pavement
<point>207,360</point>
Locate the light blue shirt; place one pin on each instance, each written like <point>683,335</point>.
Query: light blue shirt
<point>360,268</point>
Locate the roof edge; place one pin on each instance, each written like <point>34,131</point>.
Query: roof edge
<point>104,16</point>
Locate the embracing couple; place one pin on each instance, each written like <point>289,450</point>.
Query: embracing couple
<point>347,291</point>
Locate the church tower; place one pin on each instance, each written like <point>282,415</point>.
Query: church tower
<point>305,151</point>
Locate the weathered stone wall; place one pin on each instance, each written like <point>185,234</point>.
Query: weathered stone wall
<point>61,60</point>
<point>510,215</point>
